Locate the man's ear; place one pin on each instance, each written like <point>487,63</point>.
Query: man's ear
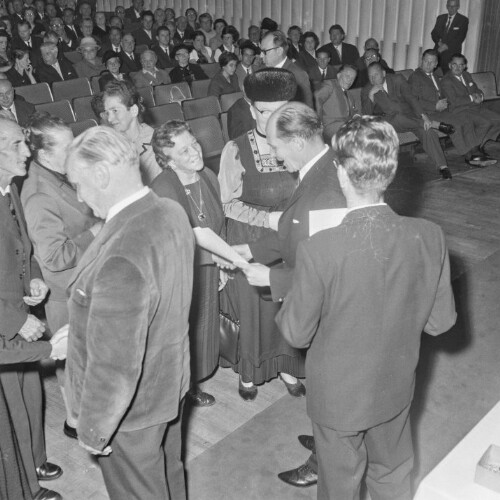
<point>342,176</point>
<point>101,173</point>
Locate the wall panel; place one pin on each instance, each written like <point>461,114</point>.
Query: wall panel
<point>402,27</point>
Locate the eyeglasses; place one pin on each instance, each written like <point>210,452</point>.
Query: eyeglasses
<point>264,52</point>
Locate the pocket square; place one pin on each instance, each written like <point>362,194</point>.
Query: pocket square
<point>295,221</point>
<point>456,28</point>
<point>81,292</point>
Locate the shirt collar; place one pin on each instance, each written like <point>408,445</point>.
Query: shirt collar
<point>5,191</point>
<point>367,206</point>
<point>118,207</point>
<point>303,171</point>
<point>281,64</point>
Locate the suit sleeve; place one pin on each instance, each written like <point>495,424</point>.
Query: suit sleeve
<point>19,350</point>
<point>436,32</point>
<point>443,315</point>
<point>299,316</point>
<point>367,106</point>
<point>321,96</point>
<point>117,333</point>
<point>266,250</point>
<point>409,97</point>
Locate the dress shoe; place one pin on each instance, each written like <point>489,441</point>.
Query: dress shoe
<point>48,471</point>
<point>302,476</point>
<point>446,128</point>
<point>247,393</point>
<point>69,431</point>
<point>307,442</point>
<point>445,173</point>
<point>480,160</point>
<point>45,494</point>
<point>200,398</point>
<point>297,390</point>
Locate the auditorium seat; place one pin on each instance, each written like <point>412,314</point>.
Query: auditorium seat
<point>37,93</point>
<point>147,96</point>
<point>487,82</point>
<point>208,132</point>
<point>223,120</point>
<point>70,89</point>
<point>81,126</point>
<point>204,106</point>
<point>94,84</point>
<point>157,115</point>
<point>82,108</point>
<point>199,88</point>
<point>62,109</point>
<point>227,100</point>
<point>173,92</point>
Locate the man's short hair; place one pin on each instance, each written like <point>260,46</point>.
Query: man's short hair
<point>145,13</point>
<point>205,15</point>
<point>296,119</point>
<point>347,66</point>
<point>279,40</point>
<point>457,55</point>
<point>430,52</point>
<point>367,147</point>
<point>336,27</point>
<point>162,28</point>
<point>126,92</point>
<point>376,64</point>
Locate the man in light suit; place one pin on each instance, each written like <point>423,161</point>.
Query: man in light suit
<point>21,286</point>
<point>340,52</point>
<point>128,357</point>
<point>274,49</point>
<point>449,33</point>
<point>150,75</point>
<point>333,104</point>
<point>362,293</point>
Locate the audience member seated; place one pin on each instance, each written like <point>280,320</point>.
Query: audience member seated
<point>164,49</point>
<point>322,71</point>
<point>112,62</point>
<point>206,26</point>
<point>41,15</point>
<point>340,52</point>
<point>230,37</point>
<point>470,129</point>
<point>69,23</point>
<point>192,16</point>
<point>274,50</point>
<point>144,34</point>
<point>25,39</point>
<point>113,42</point>
<point>130,59</point>
<point>169,15</point>
<point>201,54</point>
<point>17,16</point>
<point>115,22</point>
<point>84,12</point>
<point>294,34</point>
<point>254,35</point>
<point>390,96</point>
<point>14,107</point>
<point>333,104</point>
<point>150,74</point>
<point>100,30</point>
<point>91,64</point>
<point>267,24</point>
<point>133,13</point>
<point>159,20</point>
<point>248,63</point>
<point>307,56</point>
<point>226,81</point>
<point>183,32</point>
<point>37,27</point>
<point>216,40</point>
<point>120,12</point>
<point>370,55</point>
<point>51,69</point>
<point>52,12</point>
<point>21,72</point>
<point>5,63</point>
<point>66,43</point>
<point>185,71</point>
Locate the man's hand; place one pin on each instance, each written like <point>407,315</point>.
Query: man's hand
<point>257,274</point>
<point>38,291</point>
<point>442,47</point>
<point>104,452</point>
<point>59,343</point>
<point>427,122</point>
<point>222,263</point>
<point>223,278</point>
<point>374,90</point>
<point>32,329</point>
<point>442,104</point>
<point>244,251</point>
<point>274,218</point>
<point>477,98</point>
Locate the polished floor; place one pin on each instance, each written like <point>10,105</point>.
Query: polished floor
<point>235,449</point>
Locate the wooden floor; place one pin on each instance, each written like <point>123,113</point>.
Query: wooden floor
<point>467,208</point>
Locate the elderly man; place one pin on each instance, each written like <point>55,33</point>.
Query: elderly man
<point>449,33</point>
<point>130,59</point>
<point>362,293</point>
<point>67,41</point>
<point>333,104</point>
<point>274,48</point>
<point>24,39</point>
<point>183,31</point>
<point>390,96</point>
<point>133,13</point>
<point>471,129</point>
<point>150,74</point>
<point>128,356</point>
<point>206,28</point>
<point>12,106</point>
<point>51,68</point>
<point>340,52</point>
<point>21,286</point>
<point>370,55</point>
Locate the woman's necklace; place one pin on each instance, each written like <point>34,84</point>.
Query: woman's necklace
<point>201,215</point>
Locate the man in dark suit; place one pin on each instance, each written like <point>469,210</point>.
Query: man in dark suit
<point>51,68</point>
<point>21,286</point>
<point>128,358</point>
<point>164,49</point>
<point>333,104</point>
<point>322,71</point>
<point>340,52</point>
<point>470,128</point>
<point>144,34</point>
<point>133,13</point>
<point>370,55</point>
<point>183,31</point>
<point>15,107</point>
<point>362,293</point>
<point>390,96</point>
<point>17,16</point>
<point>113,43</point>
<point>131,61</point>
<point>69,23</point>
<point>449,33</point>
<point>247,65</point>
<point>24,40</point>
<point>274,48</point>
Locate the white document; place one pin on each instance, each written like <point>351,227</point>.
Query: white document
<point>320,220</point>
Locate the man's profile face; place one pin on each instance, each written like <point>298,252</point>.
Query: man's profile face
<point>346,78</point>
<point>85,185</point>
<point>429,63</point>
<point>283,150</point>
<point>452,6</point>
<point>457,66</point>
<point>271,55</point>
<point>13,149</point>
<point>376,75</point>
<point>336,36</point>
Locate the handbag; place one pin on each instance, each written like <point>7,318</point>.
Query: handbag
<point>228,337</point>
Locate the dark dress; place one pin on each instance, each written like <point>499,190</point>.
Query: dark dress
<point>204,313</point>
<point>17,79</point>
<point>266,186</point>
<point>187,74</point>
<point>219,85</point>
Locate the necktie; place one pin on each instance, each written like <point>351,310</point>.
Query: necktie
<point>117,49</point>
<point>338,53</point>
<point>28,43</point>
<point>434,84</point>
<point>11,114</point>
<point>58,69</point>
<point>248,71</point>
<point>323,74</point>
<point>448,24</point>
<point>8,197</point>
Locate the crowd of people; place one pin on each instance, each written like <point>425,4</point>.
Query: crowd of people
<point>156,251</point>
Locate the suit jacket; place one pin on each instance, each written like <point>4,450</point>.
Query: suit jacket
<point>142,38</point>
<point>178,39</point>
<point>316,77</point>
<point>16,79</point>
<point>187,74</point>
<point>334,107</point>
<point>129,65</point>
<point>362,294</point>
<point>219,85</point>
<point>131,15</point>
<point>164,60</point>
<point>457,93</point>
<point>454,37</point>
<point>304,92</point>
<point>58,225</point>
<point>142,79</point>
<point>17,43</point>
<point>130,373</point>
<point>239,119</point>
<point>241,73</point>
<point>350,54</point>
<point>362,76</point>
<point>72,33</point>
<point>306,61</point>
<point>319,189</point>
<point>424,90</point>
<point>46,73</point>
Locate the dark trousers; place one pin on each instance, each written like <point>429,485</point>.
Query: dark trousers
<point>385,452</point>
<point>146,464</point>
